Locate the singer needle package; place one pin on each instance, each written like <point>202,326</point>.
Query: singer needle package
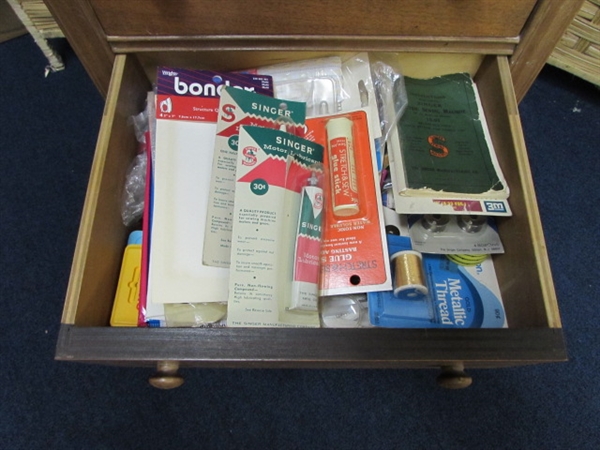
<point>187,104</point>
<point>273,168</point>
<point>237,108</point>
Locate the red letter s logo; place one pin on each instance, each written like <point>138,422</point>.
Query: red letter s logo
<point>442,151</point>
<point>228,112</point>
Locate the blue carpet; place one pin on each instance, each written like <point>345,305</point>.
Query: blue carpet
<point>48,128</point>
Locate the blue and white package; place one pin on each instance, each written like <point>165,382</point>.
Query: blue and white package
<point>460,296</point>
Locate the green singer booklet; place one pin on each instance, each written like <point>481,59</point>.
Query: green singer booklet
<point>443,138</point>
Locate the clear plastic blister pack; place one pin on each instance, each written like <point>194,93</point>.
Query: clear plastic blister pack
<point>390,94</point>
<point>206,315</point>
<point>345,311</point>
<point>455,234</point>
<point>316,82</point>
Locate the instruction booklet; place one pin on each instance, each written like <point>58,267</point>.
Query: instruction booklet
<point>442,157</point>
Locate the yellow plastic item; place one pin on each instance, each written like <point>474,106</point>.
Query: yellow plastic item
<point>125,307</point>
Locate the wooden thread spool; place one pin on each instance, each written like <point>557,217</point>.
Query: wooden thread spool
<point>409,280</point>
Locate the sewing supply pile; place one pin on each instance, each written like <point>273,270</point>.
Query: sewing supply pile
<point>322,193</point>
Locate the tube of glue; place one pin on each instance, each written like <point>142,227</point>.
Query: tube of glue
<point>342,167</point>
<point>305,282</point>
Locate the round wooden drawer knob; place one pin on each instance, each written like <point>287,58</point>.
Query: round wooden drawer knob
<point>454,377</point>
<point>166,376</point>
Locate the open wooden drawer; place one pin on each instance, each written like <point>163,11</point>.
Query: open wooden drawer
<point>534,334</point>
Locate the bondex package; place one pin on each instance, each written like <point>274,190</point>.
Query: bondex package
<point>353,254</point>
<point>187,104</point>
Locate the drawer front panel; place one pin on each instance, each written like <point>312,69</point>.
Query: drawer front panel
<point>427,18</point>
<point>326,348</point>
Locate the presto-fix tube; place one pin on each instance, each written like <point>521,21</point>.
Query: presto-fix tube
<point>305,283</point>
<point>342,167</point>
